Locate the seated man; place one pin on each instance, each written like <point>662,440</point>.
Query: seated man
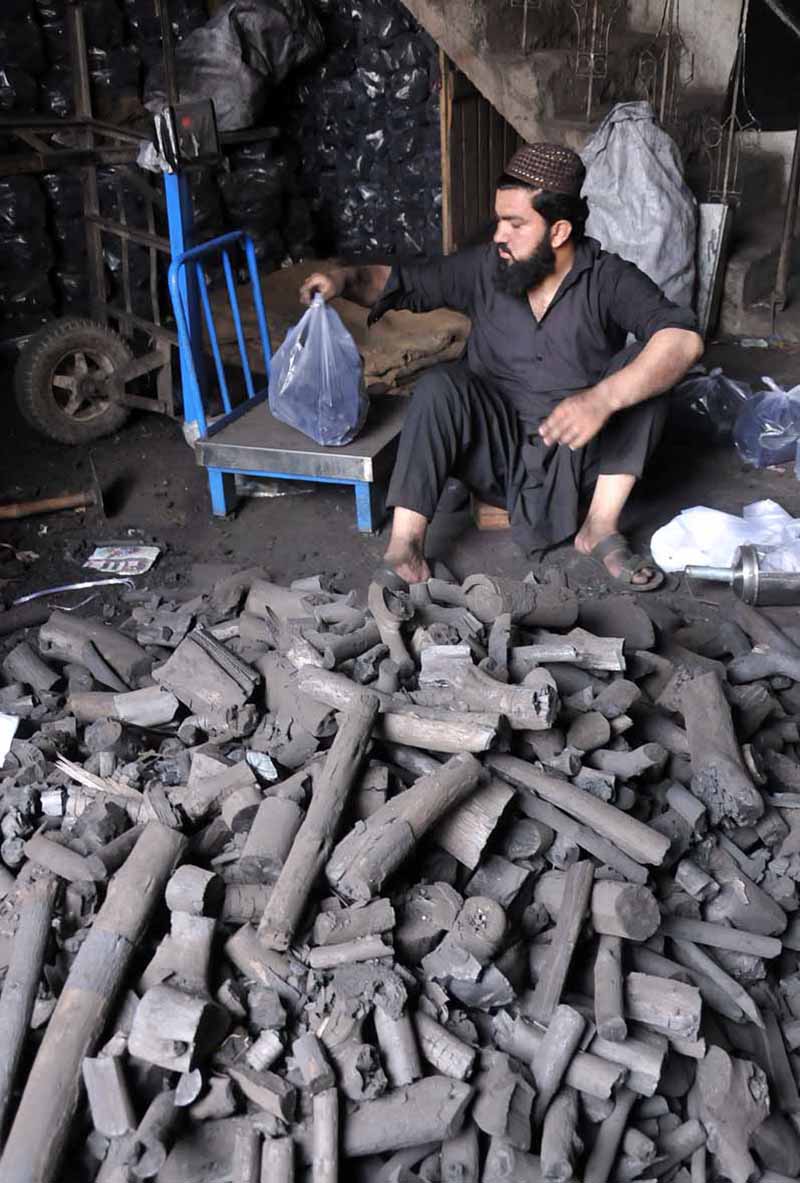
<point>548,403</point>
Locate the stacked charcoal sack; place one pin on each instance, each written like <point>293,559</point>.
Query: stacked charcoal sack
<point>124,38</point>
<point>114,64</point>
<point>26,253</point>
<point>367,119</point>
<point>260,192</point>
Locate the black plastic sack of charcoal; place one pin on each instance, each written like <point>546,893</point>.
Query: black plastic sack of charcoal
<point>334,98</point>
<point>408,51</point>
<point>18,90</point>
<point>114,75</point>
<point>255,194</point>
<point>247,48</point>
<point>116,193</point>
<point>269,246</point>
<point>339,64</point>
<point>410,87</point>
<point>377,23</point>
<point>104,23</point>
<point>21,45</point>
<point>26,303</point>
<point>207,209</point>
<point>56,40</point>
<point>64,194</point>
<point>298,227</point>
<point>22,204</point>
<point>256,154</point>
<point>56,92</point>
<point>71,290</point>
<point>25,293</point>
<point>25,252</point>
<point>69,241</point>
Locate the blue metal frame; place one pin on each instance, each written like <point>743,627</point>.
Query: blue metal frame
<point>186,267</point>
<point>191,302</point>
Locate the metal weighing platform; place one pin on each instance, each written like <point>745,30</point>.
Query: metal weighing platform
<point>245,438</point>
<point>256,444</point>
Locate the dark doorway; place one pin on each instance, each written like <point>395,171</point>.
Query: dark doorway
<point>771,91</point>
<point>476,143</point>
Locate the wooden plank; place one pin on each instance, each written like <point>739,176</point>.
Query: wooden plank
<point>445,135</point>
<point>471,187</point>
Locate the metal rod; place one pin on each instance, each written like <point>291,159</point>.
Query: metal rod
<point>237,323</point>
<point>171,85</point>
<point>212,336</point>
<point>780,291</point>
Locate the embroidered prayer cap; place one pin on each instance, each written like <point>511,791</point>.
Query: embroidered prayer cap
<point>548,166</point>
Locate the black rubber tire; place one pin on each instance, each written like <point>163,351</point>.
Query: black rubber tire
<point>38,361</point>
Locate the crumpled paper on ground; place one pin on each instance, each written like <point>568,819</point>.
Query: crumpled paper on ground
<point>703,537</point>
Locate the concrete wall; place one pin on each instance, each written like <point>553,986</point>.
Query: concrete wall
<point>710,29</point>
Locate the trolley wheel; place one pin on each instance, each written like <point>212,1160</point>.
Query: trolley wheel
<point>60,376</point>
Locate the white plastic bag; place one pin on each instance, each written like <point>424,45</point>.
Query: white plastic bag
<point>316,378</point>
<point>703,537</point>
<point>640,207</point>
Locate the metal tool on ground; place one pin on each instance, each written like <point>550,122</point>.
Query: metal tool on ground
<point>89,498</point>
<point>749,581</point>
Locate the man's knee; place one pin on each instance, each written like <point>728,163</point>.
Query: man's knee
<point>437,394</point>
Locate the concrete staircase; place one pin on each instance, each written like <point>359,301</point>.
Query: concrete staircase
<point>538,93</point>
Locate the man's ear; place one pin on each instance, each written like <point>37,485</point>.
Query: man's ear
<point>560,233</point>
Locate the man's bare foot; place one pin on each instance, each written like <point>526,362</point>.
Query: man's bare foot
<point>409,564</point>
<point>616,561</point>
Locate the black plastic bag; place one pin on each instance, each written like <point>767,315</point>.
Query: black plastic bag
<point>379,24</point>
<point>713,401</point>
<point>69,241</point>
<point>256,154</point>
<point>206,201</point>
<point>408,51</point>
<point>18,90</point>
<point>105,26</point>
<point>269,246</point>
<point>115,77</point>
<point>22,204</point>
<point>64,194</point>
<point>376,60</point>
<point>21,45</point>
<point>410,87</point>
<point>56,92</point>
<point>24,253</point>
<point>25,293</point>
<point>117,193</point>
<point>372,83</point>
<point>72,291</point>
<point>248,47</point>
<point>56,40</point>
<point>256,194</point>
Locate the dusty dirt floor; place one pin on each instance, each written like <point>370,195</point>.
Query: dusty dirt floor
<point>156,493</point>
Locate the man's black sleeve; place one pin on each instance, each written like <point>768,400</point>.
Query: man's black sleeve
<point>446,282</point>
<point>637,305</point>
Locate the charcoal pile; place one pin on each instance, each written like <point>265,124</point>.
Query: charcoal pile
<point>470,882</point>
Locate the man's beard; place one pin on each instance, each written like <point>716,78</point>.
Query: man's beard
<point>517,278</point>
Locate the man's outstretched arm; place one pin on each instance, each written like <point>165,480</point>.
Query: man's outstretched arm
<point>363,285</point>
<point>665,359</point>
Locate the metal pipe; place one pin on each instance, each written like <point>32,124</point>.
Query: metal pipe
<point>170,81</point>
<point>749,582</point>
